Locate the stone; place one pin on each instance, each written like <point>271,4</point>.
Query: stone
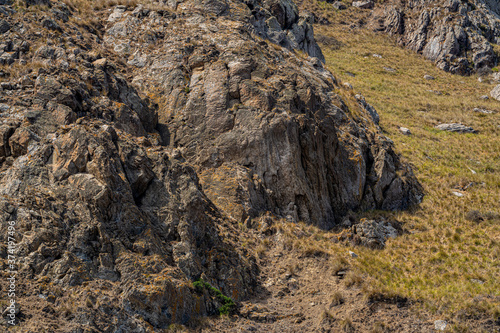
<point>405,131</point>
<point>4,26</point>
<point>483,111</point>
<point>484,97</point>
<point>429,77</point>
<point>371,110</point>
<point>457,194</point>
<point>100,62</point>
<point>51,24</point>
<point>347,85</point>
<point>363,4</point>
<point>460,46</point>
<point>373,234</point>
<point>352,254</point>
<point>440,325</point>
<point>495,92</point>
<point>389,69</point>
<point>117,13</point>
<point>339,5</point>
<point>456,127</point>
<point>20,140</point>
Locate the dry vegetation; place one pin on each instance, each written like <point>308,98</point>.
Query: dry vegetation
<point>449,261</point>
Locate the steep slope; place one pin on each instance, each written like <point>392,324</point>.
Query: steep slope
<point>456,35</point>
<point>133,138</point>
<point>264,128</point>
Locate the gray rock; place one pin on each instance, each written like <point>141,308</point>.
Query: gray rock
<point>456,127</point>
<point>51,24</point>
<point>428,77</point>
<point>139,60</point>
<point>484,97</point>
<point>457,43</point>
<point>405,131</point>
<point>4,26</point>
<point>373,234</point>
<point>440,325</point>
<point>363,4</point>
<point>483,111</point>
<point>495,93</point>
<point>339,5</point>
<point>370,109</point>
<point>117,13</point>
<point>353,255</point>
<point>389,69</point>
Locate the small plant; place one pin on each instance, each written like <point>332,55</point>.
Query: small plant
<point>474,216</point>
<point>379,327</point>
<point>337,299</point>
<point>353,279</point>
<point>327,316</point>
<point>228,304</point>
<point>347,326</point>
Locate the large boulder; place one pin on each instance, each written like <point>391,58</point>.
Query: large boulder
<point>450,33</point>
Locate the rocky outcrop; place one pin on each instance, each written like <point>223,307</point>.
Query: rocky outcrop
<point>263,127</point>
<point>456,35</point>
<point>129,148</point>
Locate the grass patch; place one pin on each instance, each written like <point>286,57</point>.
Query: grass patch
<point>228,305</point>
<point>452,242</point>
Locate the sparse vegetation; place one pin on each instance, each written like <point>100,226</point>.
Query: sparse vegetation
<point>437,260</point>
<point>337,299</point>
<point>346,325</point>
<point>228,304</point>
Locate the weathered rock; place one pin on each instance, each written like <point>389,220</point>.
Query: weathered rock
<point>125,180</point>
<point>405,131</point>
<point>440,325</point>
<point>495,93</point>
<point>456,127</point>
<point>363,4</point>
<point>483,111</point>
<point>428,77</point>
<point>373,234</point>
<point>457,38</point>
<point>339,5</point>
<point>4,26</point>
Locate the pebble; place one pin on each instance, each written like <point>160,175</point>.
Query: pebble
<point>354,255</point>
<point>483,111</point>
<point>456,127</point>
<point>405,131</point>
<point>440,325</point>
<point>458,194</point>
<point>428,77</point>
<point>377,55</point>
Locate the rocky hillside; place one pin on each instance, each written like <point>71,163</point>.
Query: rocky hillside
<point>457,35</point>
<point>135,138</point>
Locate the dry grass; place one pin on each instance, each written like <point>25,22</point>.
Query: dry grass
<point>444,256</point>
<point>337,299</point>
<point>346,325</point>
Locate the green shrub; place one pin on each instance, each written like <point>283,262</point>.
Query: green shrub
<point>228,304</point>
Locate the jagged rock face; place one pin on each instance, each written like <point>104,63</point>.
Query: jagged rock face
<point>264,128</point>
<point>124,150</point>
<point>453,34</point>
